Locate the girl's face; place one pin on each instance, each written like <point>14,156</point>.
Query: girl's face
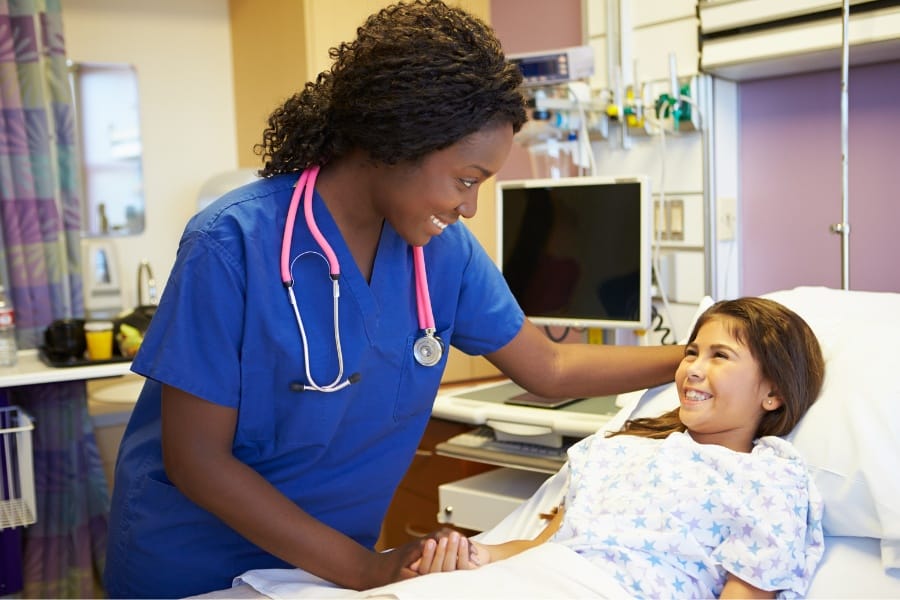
<point>420,200</point>
<point>721,388</point>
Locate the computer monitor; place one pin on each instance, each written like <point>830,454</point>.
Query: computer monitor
<point>577,251</point>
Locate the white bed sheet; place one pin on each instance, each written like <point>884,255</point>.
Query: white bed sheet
<point>859,344</point>
<point>850,568</point>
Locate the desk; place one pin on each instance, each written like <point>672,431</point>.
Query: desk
<point>30,369</point>
<point>528,443</point>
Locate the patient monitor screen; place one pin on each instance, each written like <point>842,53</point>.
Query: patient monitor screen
<point>577,251</point>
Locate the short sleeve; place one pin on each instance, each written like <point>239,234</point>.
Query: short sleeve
<point>201,308</point>
<point>487,315</point>
<point>776,540</point>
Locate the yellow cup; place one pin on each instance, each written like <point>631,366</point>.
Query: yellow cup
<point>99,336</point>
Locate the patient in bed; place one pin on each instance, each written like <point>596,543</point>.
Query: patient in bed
<point>706,500</point>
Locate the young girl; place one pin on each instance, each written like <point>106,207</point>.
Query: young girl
<point>706,500</point>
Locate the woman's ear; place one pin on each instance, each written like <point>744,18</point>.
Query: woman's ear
<point>772,401</point>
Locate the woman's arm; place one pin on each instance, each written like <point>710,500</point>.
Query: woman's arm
<point>196,442</point>
<point>451,551</point>
<point>738,588</point>
<point>546,368</point>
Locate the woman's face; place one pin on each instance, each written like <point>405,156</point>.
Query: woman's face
<point>721,388</point>
<point>420,200</point>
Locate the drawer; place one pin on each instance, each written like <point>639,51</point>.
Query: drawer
<point>480,502</point>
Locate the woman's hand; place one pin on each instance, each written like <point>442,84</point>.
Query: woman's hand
<point>449,550</point>
<point>392,565</point>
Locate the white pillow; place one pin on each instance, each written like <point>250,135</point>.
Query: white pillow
<point>851,436</point>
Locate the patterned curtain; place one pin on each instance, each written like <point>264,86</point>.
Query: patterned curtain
<point>40,265</point>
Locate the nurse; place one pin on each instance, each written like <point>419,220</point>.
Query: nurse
<point>298,347</point>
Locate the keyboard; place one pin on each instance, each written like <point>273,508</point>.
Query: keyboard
<point>482,446</point>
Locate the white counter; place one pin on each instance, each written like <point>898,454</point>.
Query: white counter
<point>30,369</point>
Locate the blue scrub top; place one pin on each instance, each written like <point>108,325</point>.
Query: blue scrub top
<point>224,331</point>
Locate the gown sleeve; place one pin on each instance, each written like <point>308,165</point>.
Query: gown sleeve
<point>776,541</point>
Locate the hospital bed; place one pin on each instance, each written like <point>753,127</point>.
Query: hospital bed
<point>850,438</point>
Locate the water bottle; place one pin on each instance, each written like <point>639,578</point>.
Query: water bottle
<point>8,346</point>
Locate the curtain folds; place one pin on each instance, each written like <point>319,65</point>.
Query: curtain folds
<point>40,260</point>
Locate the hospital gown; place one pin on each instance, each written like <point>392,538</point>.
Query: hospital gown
<point>668,518</point>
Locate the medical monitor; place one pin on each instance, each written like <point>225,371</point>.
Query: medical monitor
<point>576,251</point>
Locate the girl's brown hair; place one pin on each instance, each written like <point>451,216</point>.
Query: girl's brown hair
<point>788,354</point>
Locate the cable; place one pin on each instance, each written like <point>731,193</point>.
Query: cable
<point>658,327</point>
<point>656,264</point>
<point>553,338</point>
<point>584,139</point>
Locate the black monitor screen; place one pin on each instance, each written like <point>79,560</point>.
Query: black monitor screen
<point>577,251</point>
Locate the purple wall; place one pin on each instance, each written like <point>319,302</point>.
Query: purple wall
<point>790,170</point>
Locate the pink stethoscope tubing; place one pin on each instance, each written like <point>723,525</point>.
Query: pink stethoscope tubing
<point>427,349</point>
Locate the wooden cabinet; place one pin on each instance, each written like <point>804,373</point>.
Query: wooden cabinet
<point>413,511</point>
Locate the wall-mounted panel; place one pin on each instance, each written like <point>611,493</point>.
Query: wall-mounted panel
<point>741,46</point>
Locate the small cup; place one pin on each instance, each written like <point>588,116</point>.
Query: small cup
<point>99,336</point>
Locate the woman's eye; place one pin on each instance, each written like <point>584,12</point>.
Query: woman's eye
<point>468,183</point>
<point>720,355</point>
<point>690,352</point>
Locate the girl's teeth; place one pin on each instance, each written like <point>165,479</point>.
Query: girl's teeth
<point>694,395</point>
<point>438,223</point>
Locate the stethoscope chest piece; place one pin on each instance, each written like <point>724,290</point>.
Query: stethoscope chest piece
<point>428,349</point>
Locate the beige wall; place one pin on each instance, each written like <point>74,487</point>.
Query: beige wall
<point>268,54</point>
<point>182,54</point>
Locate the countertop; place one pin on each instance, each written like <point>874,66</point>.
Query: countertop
<point>30,369</point>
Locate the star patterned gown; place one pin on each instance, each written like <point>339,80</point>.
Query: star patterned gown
<point>670,518</point>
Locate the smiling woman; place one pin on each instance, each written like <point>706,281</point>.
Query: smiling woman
<point>390,146</point>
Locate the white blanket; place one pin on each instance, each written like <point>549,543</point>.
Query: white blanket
<point>546,571</point>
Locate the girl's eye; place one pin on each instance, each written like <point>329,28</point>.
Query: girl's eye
<point>690,352</point>
<point>468,183</point>
<point>720,355</point>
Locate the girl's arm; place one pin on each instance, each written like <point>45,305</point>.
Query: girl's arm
<point>197,437</point>
<point>738,588</point>
<point>452,551</point>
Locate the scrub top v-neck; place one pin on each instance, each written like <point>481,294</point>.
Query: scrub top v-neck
<point>224,332</point>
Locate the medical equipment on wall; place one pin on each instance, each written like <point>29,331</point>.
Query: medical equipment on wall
<point>427,350</point>
<point>563,117</point>
<point>568,115</point>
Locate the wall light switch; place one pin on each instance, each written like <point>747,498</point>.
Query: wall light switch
<point>726,218</point>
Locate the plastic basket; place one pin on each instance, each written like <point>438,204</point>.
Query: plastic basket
<point>17,505</point>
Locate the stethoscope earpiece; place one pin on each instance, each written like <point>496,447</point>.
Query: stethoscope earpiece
<point>427,350</point>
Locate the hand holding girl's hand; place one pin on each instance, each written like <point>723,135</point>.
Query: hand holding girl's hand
<point>449,550</point>
<point>393,565</point>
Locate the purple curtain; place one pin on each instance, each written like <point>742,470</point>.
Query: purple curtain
<point>40,266</point>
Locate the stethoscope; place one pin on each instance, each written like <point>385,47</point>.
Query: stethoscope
<point>427,350</point>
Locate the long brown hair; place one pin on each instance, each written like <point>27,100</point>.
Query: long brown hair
<point>788,354</point>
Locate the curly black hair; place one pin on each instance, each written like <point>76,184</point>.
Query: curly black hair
<point>418,78</point>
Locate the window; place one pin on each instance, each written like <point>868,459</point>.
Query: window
<point>109,133</point>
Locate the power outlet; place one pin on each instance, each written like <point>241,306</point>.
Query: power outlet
<point>726,218</point>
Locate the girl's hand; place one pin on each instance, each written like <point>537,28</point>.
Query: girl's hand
<point>449,550</point>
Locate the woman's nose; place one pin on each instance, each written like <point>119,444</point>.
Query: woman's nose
<point>468,208</point>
